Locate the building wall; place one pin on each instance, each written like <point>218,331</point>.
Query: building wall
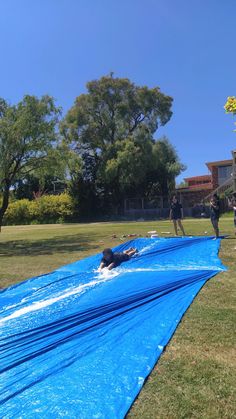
<point>214,175</point>
<point>191,198</point>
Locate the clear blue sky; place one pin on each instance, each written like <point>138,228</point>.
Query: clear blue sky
<point>186,47</point>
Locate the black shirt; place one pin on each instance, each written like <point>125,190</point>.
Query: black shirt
<point>215,210</point>
<point>116,258</point>
<point>176,210</point>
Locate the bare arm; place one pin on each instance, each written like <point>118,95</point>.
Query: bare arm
<point>131,252</point>
<point>101,266</point>
<point>111,266</point>
<point>214,205</point>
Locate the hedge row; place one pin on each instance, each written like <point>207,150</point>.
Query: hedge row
<point>47,209</point>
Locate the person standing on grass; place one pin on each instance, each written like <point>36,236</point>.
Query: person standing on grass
<point>232,204</point>
<point>176,214</point>
<point>215,213</point>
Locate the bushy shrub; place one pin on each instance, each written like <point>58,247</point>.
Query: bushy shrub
<point>46,209</point>
<point>18,212</point>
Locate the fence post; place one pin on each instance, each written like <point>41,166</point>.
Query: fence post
<point>161,201</point>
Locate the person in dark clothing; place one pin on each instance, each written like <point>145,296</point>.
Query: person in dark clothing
<point>215,213</point>
<point>112,259</point>
<point>176,214</point>
<point>232,204</point>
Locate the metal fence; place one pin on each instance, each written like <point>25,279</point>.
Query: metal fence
<point>159,208</point>
<point>135,208</point>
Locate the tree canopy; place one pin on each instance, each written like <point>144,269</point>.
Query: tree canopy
<point>27,141</point>
<point>230,106</point>
<point>112,128</point>
<point>105,149</point>
<point>114,109</point>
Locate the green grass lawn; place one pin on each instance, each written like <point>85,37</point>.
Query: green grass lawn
<point>195,377</point>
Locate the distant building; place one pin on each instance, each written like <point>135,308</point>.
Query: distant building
<point>198,187</point>
<point>191,195</point>
<point>220,171</point>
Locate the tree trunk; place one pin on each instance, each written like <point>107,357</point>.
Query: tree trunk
<point>5,202</point>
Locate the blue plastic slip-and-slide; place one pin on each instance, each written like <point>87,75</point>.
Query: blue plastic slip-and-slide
<point>76,343</point>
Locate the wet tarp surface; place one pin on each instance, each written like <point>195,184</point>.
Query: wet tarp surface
<point>79,344</point>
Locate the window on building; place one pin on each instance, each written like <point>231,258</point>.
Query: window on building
<point>224,173</point>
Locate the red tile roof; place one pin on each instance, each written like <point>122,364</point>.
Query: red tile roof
<point>202,177</point>
<point>198,187</point>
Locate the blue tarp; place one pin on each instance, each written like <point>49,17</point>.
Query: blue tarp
<point>79,344</point>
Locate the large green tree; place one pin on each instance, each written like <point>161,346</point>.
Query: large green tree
<point>112,128</point>
<point>166,166</point>
<point>112,110</point>
<point>28,142</point>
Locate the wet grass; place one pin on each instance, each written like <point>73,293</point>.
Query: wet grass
<point>195,377</point>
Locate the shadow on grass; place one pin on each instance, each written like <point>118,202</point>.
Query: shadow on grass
<point>46,246</point>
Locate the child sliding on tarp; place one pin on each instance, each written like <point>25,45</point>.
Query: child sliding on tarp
<point>112,259</point>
